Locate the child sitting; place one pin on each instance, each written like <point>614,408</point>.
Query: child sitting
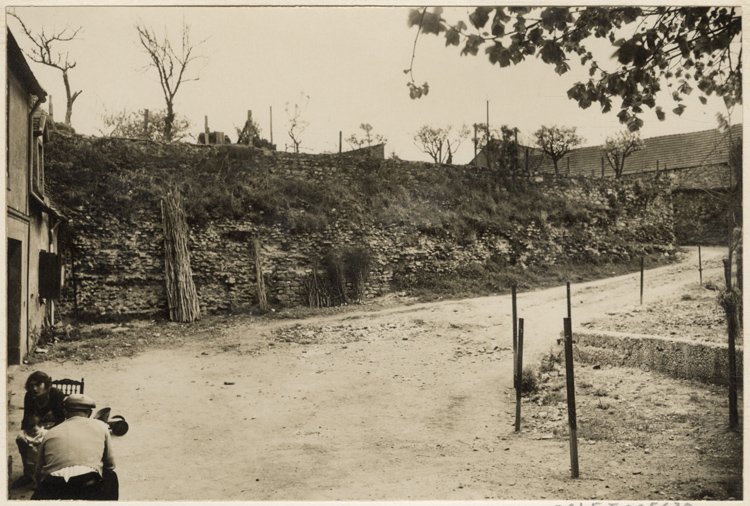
<point>33,432</point>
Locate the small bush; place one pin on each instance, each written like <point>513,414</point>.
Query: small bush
<point>551,360</point>
<point>335,270</point>
<point>600,392</point>
<point>529,381</point>
<point>358,263</point>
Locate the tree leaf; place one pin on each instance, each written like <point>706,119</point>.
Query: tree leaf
<point>480,16</point>
<point>452,37</point>
<point>679,109</point>
<point>660,113</point>
<point>415,17</point>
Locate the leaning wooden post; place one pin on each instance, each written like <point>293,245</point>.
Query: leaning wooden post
<point>515,334</point>
<point>519,368</point>
<point>568,288</point>
<point>700,266</point>
<point>641,281</point>
<point>205,130</point>
<point>568,332</point>
<point>262,299</point>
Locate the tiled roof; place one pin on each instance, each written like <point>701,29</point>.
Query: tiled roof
<point>671,152</point>
<point>376,151</point>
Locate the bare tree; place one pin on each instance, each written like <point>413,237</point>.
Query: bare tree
<point>43,53</point>
<point>170,64</point>
<point>556,142</point>
<point>440,143</point>
<point>619,147</point>
<point>296,124</point>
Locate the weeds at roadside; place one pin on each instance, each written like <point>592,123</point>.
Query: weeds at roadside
<point>529,381</point>
<point>552,398</point>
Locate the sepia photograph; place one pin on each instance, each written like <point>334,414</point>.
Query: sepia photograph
<point>382,253</point>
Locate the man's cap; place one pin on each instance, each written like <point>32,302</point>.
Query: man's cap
<point>79,401</point>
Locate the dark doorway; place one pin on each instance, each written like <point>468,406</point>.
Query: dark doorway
<point>15,305</point>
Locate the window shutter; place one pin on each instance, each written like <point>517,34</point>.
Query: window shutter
<point>50,269</point>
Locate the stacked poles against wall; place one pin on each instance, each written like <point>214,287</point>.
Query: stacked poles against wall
<point>182,297</point>
<point>262,299</point>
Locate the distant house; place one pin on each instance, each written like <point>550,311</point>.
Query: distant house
<point>33,261</point>
<point>705,153</point>
<point>697,162</point>
<point>697,159</point>
<point>377,151</point>
<point>529,158</point>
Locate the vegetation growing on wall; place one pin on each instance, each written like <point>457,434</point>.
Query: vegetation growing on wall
<point>235,182</point>
<point>331,221</point>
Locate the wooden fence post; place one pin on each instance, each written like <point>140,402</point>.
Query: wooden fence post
<point>519,374</point>
<point>568,333</point>
<point>270,129</point>
<point>515,335</point>
<point>641,281</point>
<point>700,266</point>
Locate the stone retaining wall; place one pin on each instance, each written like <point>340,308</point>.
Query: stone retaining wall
<point>117,267</point>
<point>680,358</point>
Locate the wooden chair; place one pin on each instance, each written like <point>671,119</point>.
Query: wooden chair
<point>69,386</point>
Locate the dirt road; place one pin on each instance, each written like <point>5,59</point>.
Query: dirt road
<point>408,403</point>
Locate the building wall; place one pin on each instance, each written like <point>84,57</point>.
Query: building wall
<point>17,193</point>
<point>16,229</point>
<point>26,222</point>
<point>38,241</point>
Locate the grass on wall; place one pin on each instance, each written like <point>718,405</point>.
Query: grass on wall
<point>231,182</point>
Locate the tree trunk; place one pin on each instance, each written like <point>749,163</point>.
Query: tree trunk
<point>182,297</point>
<point>168,121</point>
<point>70,98</point>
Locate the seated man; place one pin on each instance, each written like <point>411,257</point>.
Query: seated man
<point>75,458</point>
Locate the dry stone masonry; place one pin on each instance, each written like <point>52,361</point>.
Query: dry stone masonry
<point>109,190</point>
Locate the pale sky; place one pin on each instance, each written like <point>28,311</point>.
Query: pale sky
<point>348,60</point>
